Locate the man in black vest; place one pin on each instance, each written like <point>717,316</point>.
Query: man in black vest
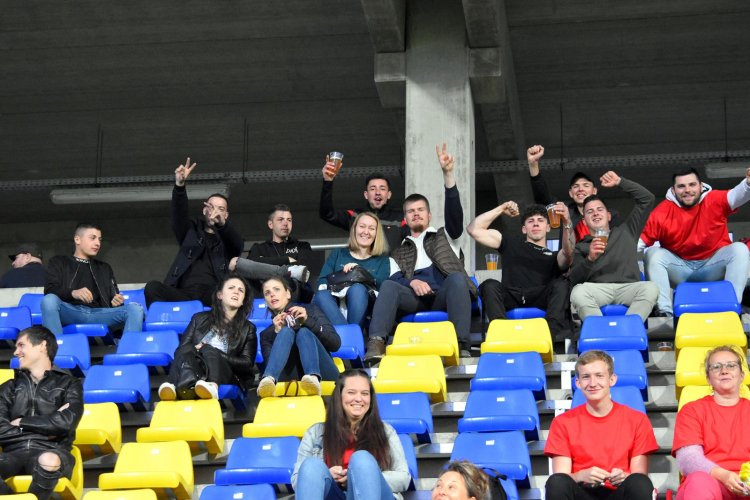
<point>205,247</point>
<point>426,269</point>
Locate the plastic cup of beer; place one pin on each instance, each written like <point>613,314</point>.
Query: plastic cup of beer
<point>602,234</point>
<point>336,158</point>
<point>554,217</point>
<point>665,346</point>
<point>491,259</point>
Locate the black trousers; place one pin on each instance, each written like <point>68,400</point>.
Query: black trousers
<point>219,370</point>
<point>156,291</point>
<point>554,299</point>
<point>635,487</point>
<point>22,462</point>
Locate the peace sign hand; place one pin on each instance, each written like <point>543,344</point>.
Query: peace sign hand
<point>446,160</point>
<point>183,172</point>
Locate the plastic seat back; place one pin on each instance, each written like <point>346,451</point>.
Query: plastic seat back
<point>12,321</point>
<point>412,374</point>
<point>501,410</point>
<point>352,344</point>
<point>614,333</point>
<point>506,452</point>
<point>153,349</point>
<point>121,495</point>
<point>100,430</point>
<point>425,317</point>
<point>239,492</point>
<point>614,310</point>
<point>171,315</point>
<point>695,392</point>
<point>408,413</point>
<point>34,302</point>
<point>260,460</point>
<point>630,370</point>
<point>691,369</point>
<point>625,395</point>
<point>714,296</point>
<point>135,297</point>
<point>199,422</point>
<point>285,416</point>
<point>520,335</point>
<point>426,338</point>
<point>709,330</point>
<point>517,370</point>
<point>6,374</point>
<point>72,354</point>
<point>260,325</point>
<point>525,313</point>
<point>260,310</point>
<point>411,460</point>
<point>127,385</point>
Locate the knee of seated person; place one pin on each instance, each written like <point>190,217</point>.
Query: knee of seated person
<point>638,480</point>
<point>739,250</point>
<point>134,309</point>
<point>362,458</point>
<point>49,461</point>
<point>651,290</point>
<point>312,465</point>
<point>49,301</point>
<point>489,285</point>
<point>357,288</point>
<point>578,294</point>
<point>558,481</point>
<point>302,332</point>
<point>389,285</point>
<point>655,254</point>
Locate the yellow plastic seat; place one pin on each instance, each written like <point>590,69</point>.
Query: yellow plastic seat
<point>6,374</point>
<point>519,335</point>
<point>695,392</point>
<point>278,417</point>
<point>412,374</point>
<point>167,468</point>
<point>692,371</point>
<point>67,489</point>
<point>99,432</point>
<point>415,339</point>
<point>121,495</point>
<point>339,364</point>
<point>709,330</point>
<point>199,422</point>
<point>293,389</point>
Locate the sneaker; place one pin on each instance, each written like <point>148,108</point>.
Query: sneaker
<point>310,385</point>
<point>464,353</point>
<point>267,387</point>
<point>167,392</point>
<point>206,390</point>
<point>374,350</point>
<point>299,273</point>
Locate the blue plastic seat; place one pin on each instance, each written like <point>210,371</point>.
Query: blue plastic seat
<point>516,370</point>
<point>426,317</point>
<point>260,460</point>
<point>34,302</point>
<point>260,325</point>
<point>506,452</point>
<point>12,321</point>
<point>97,334</point>
<point>72,354</point>
<point>712,296</point>
<point>408,413</point>
<point>501,410</point>
<point>135,296</point>
<point>411,460</point>
<point>627,395</point>
<point>352,344</point>
<point>614,310</point>
<point>260,310</point>
<point>153,349</point>
<point>128,386</point>
<point>525,313</point>
<point>476,306</point>
<point>614,333</point>
<point>233,397</point>
<point>239,492</point>
<point>171,315</point>
<point>630,370</point>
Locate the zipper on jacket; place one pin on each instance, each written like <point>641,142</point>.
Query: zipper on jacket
<point>74,275</point>
<point>101,295</point>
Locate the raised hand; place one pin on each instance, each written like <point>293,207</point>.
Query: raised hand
<point>183,172</point>
<point>534,153</point>
<point>329,169</point>
<point>747,176</point>
<point>446,160</point>
<point>215,218</point>
<point>510,208</point>
<point>299,313</point>
<point>562,209</point>
<point>610,179</point>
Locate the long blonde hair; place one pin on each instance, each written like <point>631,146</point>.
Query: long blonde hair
<point>379,245</point>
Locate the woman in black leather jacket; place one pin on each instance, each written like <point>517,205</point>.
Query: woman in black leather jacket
<point>222,337</point>
<point>298,343</point>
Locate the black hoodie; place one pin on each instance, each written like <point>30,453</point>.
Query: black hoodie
<point>277,254</point>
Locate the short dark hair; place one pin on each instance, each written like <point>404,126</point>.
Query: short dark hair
<point>278,208</point>
<point>219,195</point>
<point>83,226</point>
<point>680,171</point>
<point>591,198</point>
<point>532,210</point>
<point>38,333</point>
<point>377,175</point>
<point>413,198</point>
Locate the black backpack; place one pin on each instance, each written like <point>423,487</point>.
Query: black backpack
<point>497,492</point>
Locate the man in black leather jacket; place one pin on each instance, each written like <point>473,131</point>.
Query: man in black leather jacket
<point>39,411</point>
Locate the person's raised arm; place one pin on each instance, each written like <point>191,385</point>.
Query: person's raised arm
<point>644,201</point>
<point>479,228</point>
<point>453,211</point>
<point>539,187</point>
<point>740,194</point>
<point>180,209</point>
<point>326,211</point>
<point>565,255</point>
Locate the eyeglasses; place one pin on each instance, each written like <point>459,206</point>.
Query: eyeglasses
<point>716,367</point>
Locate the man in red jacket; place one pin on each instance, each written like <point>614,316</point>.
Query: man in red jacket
<point>691,228</point>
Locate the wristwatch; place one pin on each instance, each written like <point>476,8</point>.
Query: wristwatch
<point>568,227</point>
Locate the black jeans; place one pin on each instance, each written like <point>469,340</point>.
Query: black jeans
<point>156,291</point>
<point>396,301</point>
<point>22,462</point>
<point>219,370</point>
<point>635,487</point>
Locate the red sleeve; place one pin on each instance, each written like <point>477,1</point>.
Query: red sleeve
<point>645,441</point>
<point>558,444</point>
<point>688,428</point>
<point>722,202</point>
<point>650,233</point>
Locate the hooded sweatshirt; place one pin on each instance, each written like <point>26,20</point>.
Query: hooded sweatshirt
<point>278,253</point>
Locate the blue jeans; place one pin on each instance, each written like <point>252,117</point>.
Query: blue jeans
<point>664,268</point>
<point>365,481</point>
<point>313,356</point>
<point>56,313</point>
<point>357,302</point>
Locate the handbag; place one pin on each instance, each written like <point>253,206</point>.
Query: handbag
<point>339,280</point>
<point>497,492</point>
<point>192,369</point>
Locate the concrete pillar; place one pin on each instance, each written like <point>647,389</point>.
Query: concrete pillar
<point>439,107</point>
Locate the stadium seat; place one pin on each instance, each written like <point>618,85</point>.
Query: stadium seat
<point>293,388</point>
<point>166,468</point>
<point>614,333</point>
<point>525,313</point>
<point>121,495</point>
<point>97,334</point>
<point>501,410</point>
<point>233,397</point>
<point>198,422</point>
<point>714,296</point>
<point>625,395</point>
<point>506,452</point>
<point>519,335</point>
<point>412,374</point>
<point>6,374</point>
<point>135,296</point>
<point>614,310</point>
<point>260,325</point>
<point>171,315</point>
<point>239,492</point>
<point>630,370</point>
<point>72,354</point>
<point>352,344</point>
<point>691,369</point>
<point>126,385</point>
<point>260,460</point>
<point>260,310</point>
<point>411,460</point>
<point>518,370</point>
<point>709,330</point>
<point>408,413</point>
<point>414,339</point>
<point>153,349</point>
<point>100,431</point>
<point>277,417</point>
<point>695,392</point>
<point>34,302</point>
<point>12,321</point>
<point>67,489</point>
<point>425,317</point>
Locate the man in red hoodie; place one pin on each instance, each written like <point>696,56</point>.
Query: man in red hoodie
<point>691,228</point>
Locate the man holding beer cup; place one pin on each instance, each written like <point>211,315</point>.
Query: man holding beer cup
<point>605,262</point>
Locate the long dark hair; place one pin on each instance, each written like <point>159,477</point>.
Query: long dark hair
<point>370,432</point>
<point>231,329</point>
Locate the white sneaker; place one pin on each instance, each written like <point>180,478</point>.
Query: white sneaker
<point>267,387</point>
<point>299,273</point>
<point>206,390</point>
<point>310,385</point>
<point>167,392</point>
